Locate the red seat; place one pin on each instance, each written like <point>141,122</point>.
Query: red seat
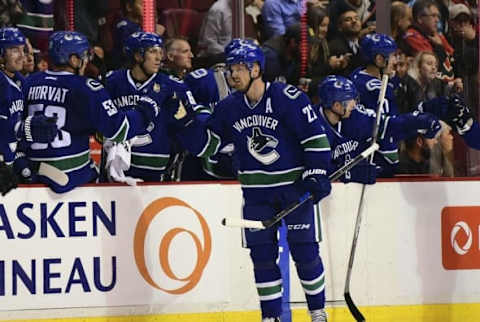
<point>200,5</point>
<point>183,22</point>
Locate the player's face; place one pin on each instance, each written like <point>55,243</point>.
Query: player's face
<point>153,59</point>
<point>14,58</point>
<point>182,55</point>
<point>240,76</point>
<point>29,62</point>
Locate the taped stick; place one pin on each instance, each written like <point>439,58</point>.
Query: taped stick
<point>54,174</point>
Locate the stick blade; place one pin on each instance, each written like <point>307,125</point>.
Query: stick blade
<point>243,223</point>
<point>54,174</point>
<point>353,308</point>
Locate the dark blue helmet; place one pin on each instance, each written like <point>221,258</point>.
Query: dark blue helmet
<point>63,44</point>
<point>237,43</point>
<point>373,44</point>
<point>140,41</point>
<point>247,54</point>
<point>10,37</point>
<point>336,89</point>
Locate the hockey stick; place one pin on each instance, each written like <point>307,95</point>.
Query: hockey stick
<point>264,224</point>
<point>351,305</point>
<point>54,174</point>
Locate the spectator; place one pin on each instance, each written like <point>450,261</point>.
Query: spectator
<point>400,19</point>
<point>345,48</point>
<point>423,36</point>
<point>179,57</point>
<point>282,57</point>
<point>407,91</point>
<point>216,31</point>
<point>10,12</point>
<point>464,39</point>
<point>420,155</point>
<point>41,27</point>
<point>365,10</point>
<point>319,63</point>
<point>425,71</point>
<point>278,15</point>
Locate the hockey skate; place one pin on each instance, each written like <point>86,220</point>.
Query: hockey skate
<point>271,320</point>
<point>318,315</point>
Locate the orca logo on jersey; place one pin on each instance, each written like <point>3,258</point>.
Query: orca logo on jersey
<point>258,142</point>
<point>181,284</point>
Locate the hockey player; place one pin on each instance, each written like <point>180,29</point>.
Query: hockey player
<point>282,152</point>
<point>338,103</point>
<point>153,150</point>
<point>12,127</point>
<point>82,107</point>
<point>378,52</point>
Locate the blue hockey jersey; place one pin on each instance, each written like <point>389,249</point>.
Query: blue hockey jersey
<point>83,107</point>
<point>152,150</point>
<point>208,86</point>
<point>11,110</point>
<point>275,140</point>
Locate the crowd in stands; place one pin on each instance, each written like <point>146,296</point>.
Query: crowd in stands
<point>437,43</point>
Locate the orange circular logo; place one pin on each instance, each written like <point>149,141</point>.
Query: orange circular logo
<point>203,253</point>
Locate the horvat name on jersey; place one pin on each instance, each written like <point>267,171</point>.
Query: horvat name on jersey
<point>50,93</point>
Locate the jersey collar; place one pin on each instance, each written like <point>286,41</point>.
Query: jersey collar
<point>245,98</point>
<point>11,82</point>
<point>134,83</point>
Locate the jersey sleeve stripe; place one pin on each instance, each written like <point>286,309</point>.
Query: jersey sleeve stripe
<point>212,145</point>
<point>122,132</point>
<point>255,179</point>
<point>316,143</point>
<point>390,156</point>
<point>150,161</point>
<point>68,164</point>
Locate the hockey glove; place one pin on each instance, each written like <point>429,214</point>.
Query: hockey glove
<point>181,111</point>
<point>437,106</point>
<point>362,173</point>
<point>315,181</point>
<point>8,180</point>
<point>459,115</point>
<point>431,126</point>
<point>149,109</point>
<point>39,129</point>
<point>23,169</point>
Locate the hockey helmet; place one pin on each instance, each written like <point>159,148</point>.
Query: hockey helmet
<point>336,88</point>
<point>10,37</point>
<point>237,43</point>
<point>247,54</point>
<point>140,41</point>
<point>63,44</point>
<point>373,44</point>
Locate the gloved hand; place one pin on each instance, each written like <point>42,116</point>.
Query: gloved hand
<point>180,110</point>
<point>459,115</point>
<point>23,169</point>
<point>365,173</point>
<point>148,107</point>
<point>39,128</point>
<point>316,182</point>
<point>431,126</point>
<point>8,180</point>
<point>437,106</point>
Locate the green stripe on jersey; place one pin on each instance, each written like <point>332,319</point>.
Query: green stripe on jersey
<point>121,134</point>
<point>264,179</point>
<point>390,156</point>
<point>150,161</point>
<point>316,143</point>
<point>69,163</point>
<point>212,145</point>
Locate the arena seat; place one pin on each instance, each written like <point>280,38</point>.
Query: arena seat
<point>183,22</point>
<point>200,5</point>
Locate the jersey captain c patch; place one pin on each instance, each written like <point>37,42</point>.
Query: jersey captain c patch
<point>262,146</point>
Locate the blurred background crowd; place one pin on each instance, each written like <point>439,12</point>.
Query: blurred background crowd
<point>303,42</point>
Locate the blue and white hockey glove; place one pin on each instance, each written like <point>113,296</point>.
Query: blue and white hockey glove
<point>8,180</point>
<point>431,126</point>
<point>459,115</point>
<point>361,173</point>
<point>437,106</point>
<point>149,108</point>
<point>181,111</point>
<point>39,129</point>
<point>316,182</point>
